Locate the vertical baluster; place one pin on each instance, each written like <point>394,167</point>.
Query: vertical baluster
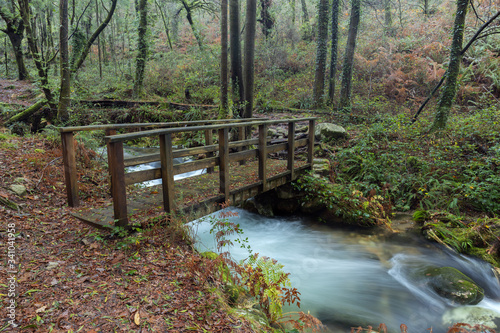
<point>291,149</point>
<point>224,162</point>
<point>263,156</point>
<point>209,140</point>
<point>110,132</point>
<point>167,172</point>
<point>310,146</point>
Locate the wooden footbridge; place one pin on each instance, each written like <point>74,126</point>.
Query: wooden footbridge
<point>221,160</point>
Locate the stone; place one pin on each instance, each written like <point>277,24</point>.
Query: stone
<point>52,265</point>
<point>327,131</point>
<point>312,206</point>
<point>18,189</point>
<point>321,167</point>
<point>259,207</point>
<point>450,283</point>
<point>472,315</point>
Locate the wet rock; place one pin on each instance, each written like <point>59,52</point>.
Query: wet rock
<point>259,207</point>
<point>472,315</point>
<point>453,285</point>
<point>326,132</point>
<point>18,189</point>
<point>312,206</point>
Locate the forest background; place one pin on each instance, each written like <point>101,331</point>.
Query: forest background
<point>170,52</point>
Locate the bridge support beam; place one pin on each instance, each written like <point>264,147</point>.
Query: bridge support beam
<point>291,150</point>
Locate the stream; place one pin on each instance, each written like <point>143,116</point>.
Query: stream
<point>350,278</point>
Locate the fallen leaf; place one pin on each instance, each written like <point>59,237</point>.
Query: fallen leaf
<point>137,318</point>
<point>42,309</point>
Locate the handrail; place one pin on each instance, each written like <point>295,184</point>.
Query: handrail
<point>142,134</point>
<point>140,125</point>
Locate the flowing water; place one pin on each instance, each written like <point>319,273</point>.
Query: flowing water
<point>358,278</point>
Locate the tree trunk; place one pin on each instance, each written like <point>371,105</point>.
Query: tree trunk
<point>334,53</point>
<point>265,17</point>
<point>40,66</point>
<point>450,88</point>
<point>223,109</point>
<point>248,78</point>
<point>305,14</point>
<point>142,48</point>
<point>235,48</point>
<point>321,52</point>
<point>345,89</point>
<point>165,24</point>
<point>65,93</point>
<point>388,17</point>
<point>26,113</point>
<point>15,31</point>
<point>189,17</point>
<point>92,38</point>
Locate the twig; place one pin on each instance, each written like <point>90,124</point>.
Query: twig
<point>39,180</point>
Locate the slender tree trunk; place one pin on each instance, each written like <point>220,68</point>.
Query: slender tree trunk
<point>40,65</point>
<point>223,112</point>
<point>450,88</point>
<point>265,17</point>
<point>388,17</point>
<point>334,53</point>
<point>92,38</point>
<point>305,14</point>
<point>248,78</point>
<point>189,17</point>
<point>99,58</point>
<point>321,52</point>
<point>235,48</point>
<point>142,48</point>
<point>345,89</point>
<point>165,24</point>
<point>15,31</point>
<point>65,93</point>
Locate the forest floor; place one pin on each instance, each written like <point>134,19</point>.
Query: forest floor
<point>72,277</point>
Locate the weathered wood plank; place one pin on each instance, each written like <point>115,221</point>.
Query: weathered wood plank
<point>224,162</point>
<point>209,140</point>
<point>118,183</point>
<point>69,162</point>
<point>310,147</point>
<point>263,156</point>
<point>291,150</point>
<point>167,172</point>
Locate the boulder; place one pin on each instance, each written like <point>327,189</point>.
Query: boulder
<point>472,315</point>
<point>18,189</point>
<point>326,132</point>
<point>259,207</point>
<point>450,283</point>
<point>321,167</point>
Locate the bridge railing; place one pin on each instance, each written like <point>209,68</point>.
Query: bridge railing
<point>120,179</point>
<point>69,149</point>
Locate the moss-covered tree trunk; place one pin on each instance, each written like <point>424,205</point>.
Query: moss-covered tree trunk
<point>450,88</point>
<point>305,14</point>
<point>223,108</point>
<point>334,53</point>
<point>266,19</point>
<point>86,49</point>
<point>65,93</point>
<point>189,17</point>
<point>321,52</point>
<point>249,57</point>
<point>235,49</point>
<point>142,47</point>
<point>345,89</point>
<point>14,29</point>
<point>41,66</point>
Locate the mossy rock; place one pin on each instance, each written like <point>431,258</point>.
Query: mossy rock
<point>450,283</point>
<point>209,255</point>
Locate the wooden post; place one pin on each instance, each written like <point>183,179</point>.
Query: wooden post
<point>310,146</point>
<point>69,162</point>
<point>224,162</point>
<point>263,156</point>
<point>209,140</point>
<point>291,149</point>
<point>167,172</point>
<point>108,133</point>
<point>119,193</point>
<point>241,137</point>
